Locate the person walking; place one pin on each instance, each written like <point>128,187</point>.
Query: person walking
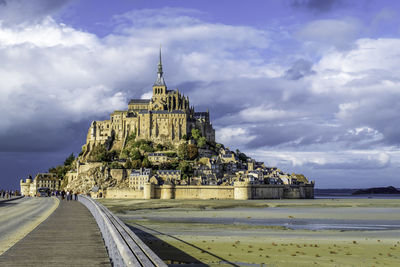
<point>68,195</point>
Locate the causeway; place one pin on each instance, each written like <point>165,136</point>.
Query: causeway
<point>68,237</point>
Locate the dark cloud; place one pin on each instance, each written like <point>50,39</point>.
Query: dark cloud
<point>354,164</point>
<point>300,69</point>
<point>19,11</point>
<point>39,137</point>
<point>316,5</point>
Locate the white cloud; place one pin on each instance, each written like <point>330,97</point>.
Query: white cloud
<point>54,77</point>
<point>234,135</point>
<point>345,159</point>
<point>59,75</point>
<point>45,34</point>
<point>332,32</point>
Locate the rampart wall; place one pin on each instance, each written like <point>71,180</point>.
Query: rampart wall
<point>123,193</point>
<point>239,191</point>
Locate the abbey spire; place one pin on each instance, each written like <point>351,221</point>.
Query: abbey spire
<point>160,79</point>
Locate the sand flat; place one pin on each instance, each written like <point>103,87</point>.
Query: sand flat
<point>271,232</point>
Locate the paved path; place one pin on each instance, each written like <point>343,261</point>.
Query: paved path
<point>19,217</point>
<point>11,198</point>
<point>69,237</point>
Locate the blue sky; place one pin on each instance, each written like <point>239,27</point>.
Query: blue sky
<point>309,86</point>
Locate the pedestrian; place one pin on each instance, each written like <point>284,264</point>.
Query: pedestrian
<point>62,195</point>
<point>76,196</point>
<point>68,194</point>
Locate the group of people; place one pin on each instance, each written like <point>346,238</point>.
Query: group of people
<point>8,193</point>
<point>67,195</point>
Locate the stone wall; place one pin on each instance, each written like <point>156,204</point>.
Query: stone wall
<point>267,192</point>
<point>197,192</point>
<point>123,193</point>
<point>240,191</point>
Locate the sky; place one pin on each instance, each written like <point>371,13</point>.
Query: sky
<point>310,86</point>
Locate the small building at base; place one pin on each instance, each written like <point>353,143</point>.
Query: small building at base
<point>30,186</point>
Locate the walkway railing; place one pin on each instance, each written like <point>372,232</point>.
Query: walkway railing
<point>124,247</point>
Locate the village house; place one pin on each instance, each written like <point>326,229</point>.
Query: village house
<point>138,178</point>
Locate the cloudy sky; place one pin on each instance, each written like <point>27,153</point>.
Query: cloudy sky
<point>310,86</point>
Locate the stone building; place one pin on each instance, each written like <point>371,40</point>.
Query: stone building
<point>49,180</point>
<point>157,158</point>
<point>169,175</point>
<point>138,178</point>
<point>165,118</point>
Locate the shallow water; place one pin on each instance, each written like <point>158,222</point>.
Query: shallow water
<point>294,224</point>
<point>341,218</point>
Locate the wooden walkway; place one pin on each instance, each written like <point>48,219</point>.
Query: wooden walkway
<point>69,237</point>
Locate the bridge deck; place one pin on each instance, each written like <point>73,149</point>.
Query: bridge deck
<point>69,237</point>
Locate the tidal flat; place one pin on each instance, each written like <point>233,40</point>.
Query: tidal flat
<point>319,232</point>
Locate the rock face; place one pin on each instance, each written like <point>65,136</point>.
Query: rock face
<point>377,190</point>
<point>90,177</point>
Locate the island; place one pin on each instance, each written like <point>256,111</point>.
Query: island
<point>161,148</point>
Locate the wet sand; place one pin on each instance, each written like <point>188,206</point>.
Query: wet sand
<point>321,232</point>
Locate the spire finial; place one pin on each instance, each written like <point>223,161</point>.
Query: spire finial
<point>160,79</point>
<point>160,72</point>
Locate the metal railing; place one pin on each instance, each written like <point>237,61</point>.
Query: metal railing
<point>124,247</point>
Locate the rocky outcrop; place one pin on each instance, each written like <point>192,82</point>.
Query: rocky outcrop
<point>89,177</point>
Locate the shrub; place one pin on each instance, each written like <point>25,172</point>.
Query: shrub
<point>68,161</point>
<point>183,151</point>
<point>196,134</point>
<point>115,165</point>
<point>186,169</point>
<point>128,164</point>
<point>136,164</point>
<point>192,151</point>
<point>201,142</point>
<point>100,153</point>
<point>146,163</point>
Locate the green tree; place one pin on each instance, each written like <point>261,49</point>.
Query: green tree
<point>136,164</point>
<point>135,154</point>
<point>186,169</point>
<point>146,148</point>
<point>168,146</point>
<point>242,157</point>
<point>99,153</point>
<point>174,164</point>
<point>60,170</point>
<point>128,164</point>
<point>115,165</point>
<point>201,142</point>
<point>159,147</point>
<point>68,161</point>
<point>196,134</point>
<point>146,163</point>
<point>183,151</point>
<point>131,138</point>
<point>165,166</point>
<point>192,151</point>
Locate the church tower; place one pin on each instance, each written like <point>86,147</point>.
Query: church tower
<point>159,87</point>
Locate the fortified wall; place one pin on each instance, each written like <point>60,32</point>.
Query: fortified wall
<point>239,191</point>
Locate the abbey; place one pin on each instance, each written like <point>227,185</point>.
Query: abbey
<point>165,118</point>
